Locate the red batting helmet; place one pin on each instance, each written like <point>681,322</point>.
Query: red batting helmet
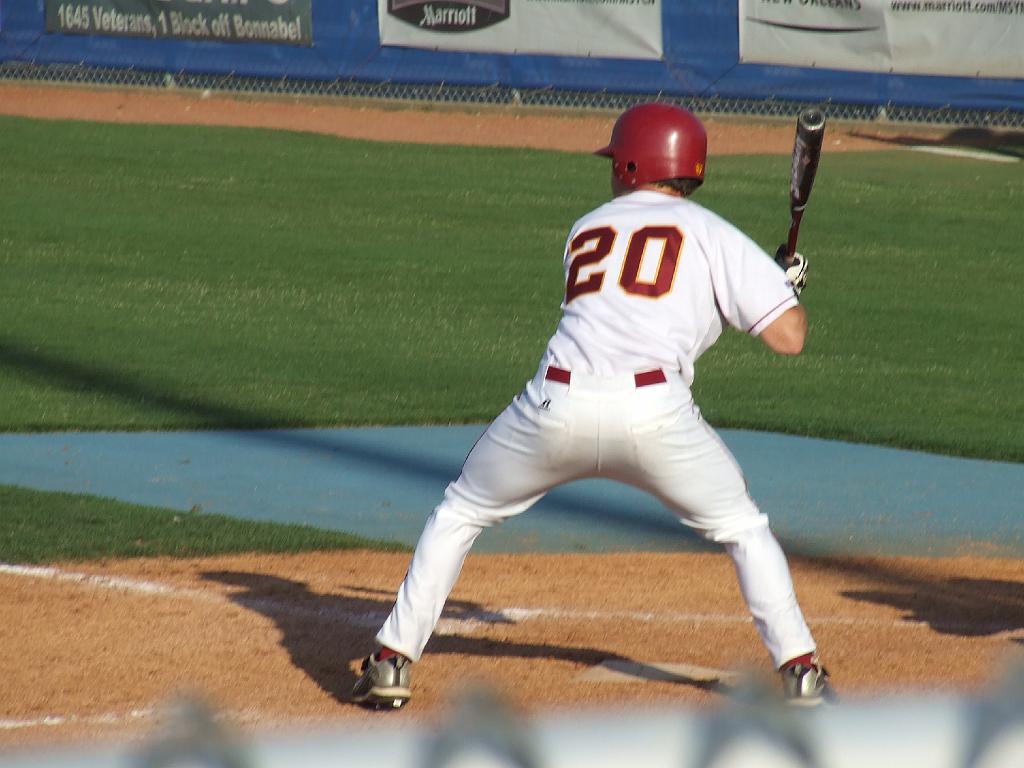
<point>655,142</point>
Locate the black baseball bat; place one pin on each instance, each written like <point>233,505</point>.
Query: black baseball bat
<point>810,130</point>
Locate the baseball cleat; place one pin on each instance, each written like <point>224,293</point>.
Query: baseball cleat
<point>383,684</point>
<point>806,683</point>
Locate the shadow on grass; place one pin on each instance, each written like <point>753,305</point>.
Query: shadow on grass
<point>325,634</point>
<point>350,447</point>
<point>1008,143</point>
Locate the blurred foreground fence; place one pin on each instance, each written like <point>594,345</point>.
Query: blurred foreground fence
<point>754,732</point>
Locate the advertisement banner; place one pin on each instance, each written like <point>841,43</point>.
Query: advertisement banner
<point>972,38</point>
<point>287,22</point>
<point>618,29</point>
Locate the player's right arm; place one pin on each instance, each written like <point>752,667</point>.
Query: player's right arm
<point>786,333</point>
<point>752,291</point>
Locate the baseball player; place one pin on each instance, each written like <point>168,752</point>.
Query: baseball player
<point>651,281</point>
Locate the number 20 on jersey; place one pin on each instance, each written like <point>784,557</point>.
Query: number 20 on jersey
<point>591,246</point>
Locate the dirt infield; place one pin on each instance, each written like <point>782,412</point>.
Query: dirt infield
<point>490,126</point>
<point>269,639</point>
<point>87,651</point>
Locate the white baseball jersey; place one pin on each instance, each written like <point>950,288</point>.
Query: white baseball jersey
<point>650,279</point>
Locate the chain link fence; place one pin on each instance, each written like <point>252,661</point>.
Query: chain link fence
<point>444,93</point>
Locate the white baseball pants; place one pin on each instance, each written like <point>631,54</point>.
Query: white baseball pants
<point>651,437</point>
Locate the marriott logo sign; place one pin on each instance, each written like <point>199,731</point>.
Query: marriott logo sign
<point>450,15</point>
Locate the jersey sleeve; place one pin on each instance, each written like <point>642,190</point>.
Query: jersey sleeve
<point>750,288</point>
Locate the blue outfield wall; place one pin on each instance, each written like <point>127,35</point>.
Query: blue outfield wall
<point>701,59</point>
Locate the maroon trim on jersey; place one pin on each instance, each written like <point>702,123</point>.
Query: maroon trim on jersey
<point>603,239</point>
<point>560,375</point>
<point>641,379</point>
<point>646,378</point>
<point>766,314</point>
<point>672,243</point>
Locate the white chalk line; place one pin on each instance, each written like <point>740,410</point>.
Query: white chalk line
<point>152,588</point>
<point>52,721</point>
<point>123,584</point>
<point>973,154</point>
<point>114,719</point>
<point>468,620</point>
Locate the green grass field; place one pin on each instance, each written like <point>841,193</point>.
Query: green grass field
<point>178,278</point>
<point>43,527</point>
<point>196,278</point>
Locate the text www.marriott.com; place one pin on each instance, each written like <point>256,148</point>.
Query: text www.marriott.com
<point>994,7</point>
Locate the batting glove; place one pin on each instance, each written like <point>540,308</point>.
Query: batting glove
<point>796,268</point>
